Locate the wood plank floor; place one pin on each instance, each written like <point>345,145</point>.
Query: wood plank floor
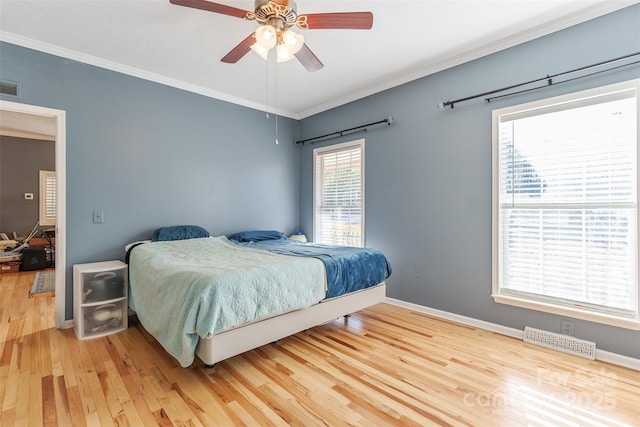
<point>384,366</point>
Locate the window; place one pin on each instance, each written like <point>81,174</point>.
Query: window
<point>47,198</point>
<point>565,190</point>
<point>338,202</point>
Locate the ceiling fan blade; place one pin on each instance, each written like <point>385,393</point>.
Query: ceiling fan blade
<point>240,50</point>
<point>338,20</point>
<point>213,7</point>
<point>308,59</point>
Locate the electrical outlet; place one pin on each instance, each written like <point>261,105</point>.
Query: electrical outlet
<point>567,327</point>
<point>418,271</point>
<point>98,217</point>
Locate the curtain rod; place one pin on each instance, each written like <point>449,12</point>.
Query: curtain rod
<point>339,133</point>
<point>548,78</point>
<point>557,83</point>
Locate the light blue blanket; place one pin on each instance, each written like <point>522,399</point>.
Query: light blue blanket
<point>185,289</point>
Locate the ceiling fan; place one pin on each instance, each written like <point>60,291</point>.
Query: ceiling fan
<point>276,17</point>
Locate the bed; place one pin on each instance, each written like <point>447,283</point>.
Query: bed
<point>216,297</point>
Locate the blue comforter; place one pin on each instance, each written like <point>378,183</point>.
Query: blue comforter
<point>348,269</point>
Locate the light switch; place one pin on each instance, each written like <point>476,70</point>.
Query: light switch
<point>98,217</point>
<point>28,196</point>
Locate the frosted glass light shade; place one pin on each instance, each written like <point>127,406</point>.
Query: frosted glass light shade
<point>266,36</point>
<point>288,43</point>
<point>263,52</point>
<point>293,41</point>
<point>284,54</point>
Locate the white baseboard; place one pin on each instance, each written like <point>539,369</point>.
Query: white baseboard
<point>602,355</point>
<point>67,324</point>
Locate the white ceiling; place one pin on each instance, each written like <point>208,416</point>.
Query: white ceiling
<point>182,47</point>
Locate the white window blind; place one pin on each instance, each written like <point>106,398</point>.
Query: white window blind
<point>47,198</point>
<point>565,203</point>
<point>339,194</point>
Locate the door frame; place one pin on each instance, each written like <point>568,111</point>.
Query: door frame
<point>61,199</point>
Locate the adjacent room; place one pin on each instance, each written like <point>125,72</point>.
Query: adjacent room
<point>319,213</point>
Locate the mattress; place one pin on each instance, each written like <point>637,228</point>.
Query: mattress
<point>186,289</point>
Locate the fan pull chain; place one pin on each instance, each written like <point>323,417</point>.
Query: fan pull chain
<point>267,88</point>
<point>276,103</point>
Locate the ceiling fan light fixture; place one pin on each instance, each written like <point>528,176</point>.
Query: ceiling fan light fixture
<point>260,50</point>
<point>283,53</point>
<point>266,36</point>
<point>293,41</point>
<point>275,17</point>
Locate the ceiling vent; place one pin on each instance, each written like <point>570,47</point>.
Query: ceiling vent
<point>10,89</point>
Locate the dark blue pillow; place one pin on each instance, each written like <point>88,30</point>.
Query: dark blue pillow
<point>179,232</point>
<point>256,236</point>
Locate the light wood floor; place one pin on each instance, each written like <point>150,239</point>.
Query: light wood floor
<point>382,366</point>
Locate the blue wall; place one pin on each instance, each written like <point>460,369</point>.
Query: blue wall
<point>428,176</point>
<point>149,155</point>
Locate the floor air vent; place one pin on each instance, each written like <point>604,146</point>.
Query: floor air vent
<point>565,343</point>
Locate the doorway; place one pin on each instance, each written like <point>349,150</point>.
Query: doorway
<point>17,117</point>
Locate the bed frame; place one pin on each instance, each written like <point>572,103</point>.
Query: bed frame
<point>238,340</point>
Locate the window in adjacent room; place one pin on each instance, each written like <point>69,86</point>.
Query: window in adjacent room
<point>47,198</point>
<point>565,192</point>
<point>338,202</point>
